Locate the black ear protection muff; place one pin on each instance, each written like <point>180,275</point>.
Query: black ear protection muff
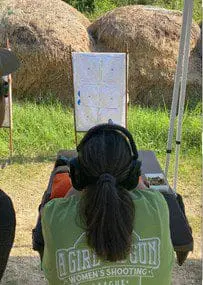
<point>80,178</point>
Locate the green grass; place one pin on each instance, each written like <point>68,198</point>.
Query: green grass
<point>39,130</point>
<point>42,129</point>
<point>150,129</point>
<point>102,7</point>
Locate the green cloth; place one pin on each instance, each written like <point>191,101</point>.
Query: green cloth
<point>68,260</point>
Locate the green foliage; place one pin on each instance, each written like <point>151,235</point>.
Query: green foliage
<point>133,2</point>
<point>96,8</point>
<point>178,5</point>
<point>82,5</point>
<point>42,129</point>
<point>103,6</point>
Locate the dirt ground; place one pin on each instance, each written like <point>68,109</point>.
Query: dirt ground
<point>25,183</point>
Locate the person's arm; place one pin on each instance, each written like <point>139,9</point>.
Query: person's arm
<point>61,187</point>
<point>142,184</point>
<point>7,229</point>
<point>37,237</point>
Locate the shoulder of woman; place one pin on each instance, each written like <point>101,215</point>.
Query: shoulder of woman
<point>154,198</point>
<point>149,194</point>
<point>58,204</point>
<point>5,200</point>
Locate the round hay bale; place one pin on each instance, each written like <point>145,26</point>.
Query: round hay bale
<point>40,33</point>
<point>152,37</point>
<point>199,43</point>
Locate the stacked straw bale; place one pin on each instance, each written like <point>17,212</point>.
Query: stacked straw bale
<point>40,33</point>
<point>152,37</point>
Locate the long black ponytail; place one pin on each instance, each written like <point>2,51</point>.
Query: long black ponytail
<point>106,208</point>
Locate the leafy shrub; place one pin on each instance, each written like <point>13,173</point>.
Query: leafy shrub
<point>96,8</point>
<point>82,5</point>
<point>102,6</point>
<point>136,2</point>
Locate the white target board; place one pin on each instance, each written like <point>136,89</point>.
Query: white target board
<point>99,89</point>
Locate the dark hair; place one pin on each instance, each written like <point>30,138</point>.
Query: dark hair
<point>107,209</point>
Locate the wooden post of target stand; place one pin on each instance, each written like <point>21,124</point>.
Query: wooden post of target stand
<point>10,109</point>
<point>72,80</point>
<point>127,91</point>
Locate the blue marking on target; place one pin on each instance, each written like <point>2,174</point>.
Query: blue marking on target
<point>79,101</point>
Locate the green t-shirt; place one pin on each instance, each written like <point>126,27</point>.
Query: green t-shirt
<point>68,259</point>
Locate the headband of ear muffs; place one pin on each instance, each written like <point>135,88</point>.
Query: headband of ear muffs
<point>80,178</point>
